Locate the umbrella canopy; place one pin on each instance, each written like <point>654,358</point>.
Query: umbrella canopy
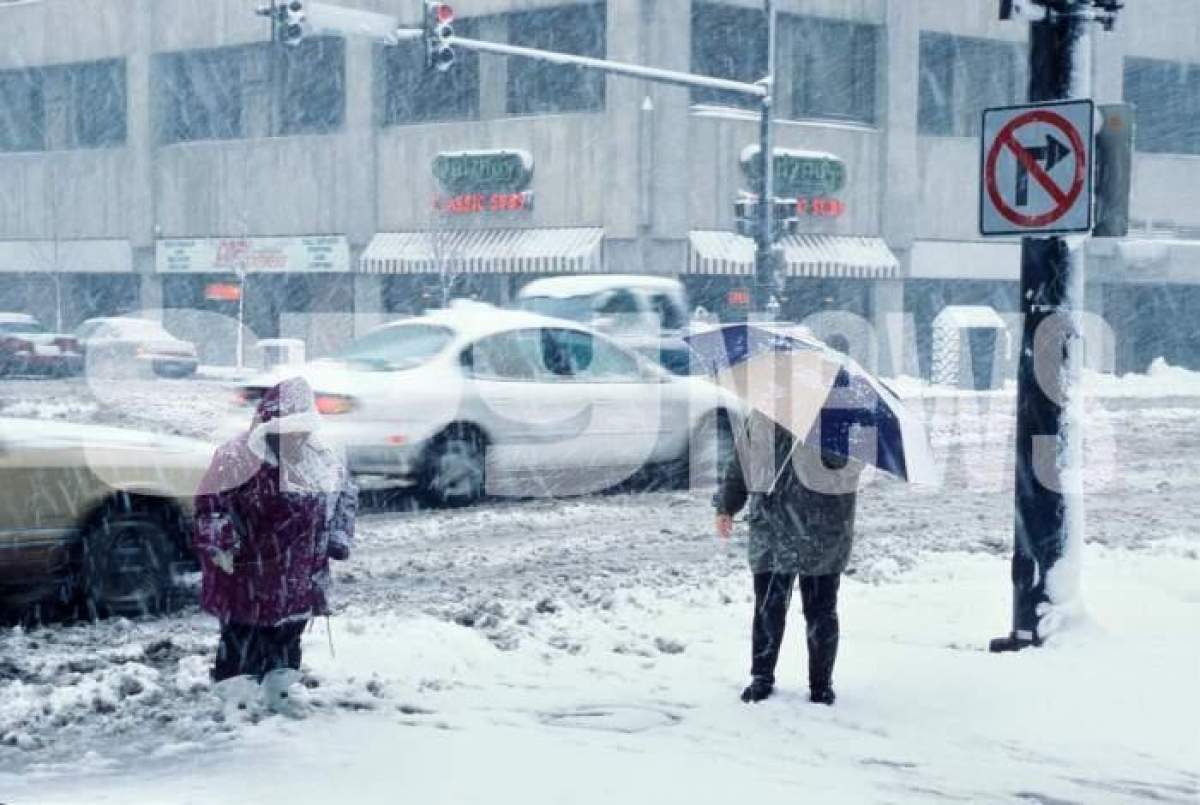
<point>825,399</point>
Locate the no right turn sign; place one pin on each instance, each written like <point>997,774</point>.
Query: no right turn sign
<point>1036,166</point>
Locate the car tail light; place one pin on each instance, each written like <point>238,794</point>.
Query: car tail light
<point>334,404</point>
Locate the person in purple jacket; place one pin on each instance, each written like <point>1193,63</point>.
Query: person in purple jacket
<point>275,506</point>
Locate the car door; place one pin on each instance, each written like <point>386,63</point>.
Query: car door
<point>42,477</point>
<point>528,411</point>
<point>625,397</point>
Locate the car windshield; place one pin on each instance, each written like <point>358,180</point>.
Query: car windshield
<point>572,308</point>
<point>21,327</point>
<point>393,348</point>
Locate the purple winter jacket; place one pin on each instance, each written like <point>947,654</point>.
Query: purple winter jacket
<point>279,527</point>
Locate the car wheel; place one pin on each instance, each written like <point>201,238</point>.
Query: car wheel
<point>709,452</point>
<point>455,468</point>
<point>127,555</point>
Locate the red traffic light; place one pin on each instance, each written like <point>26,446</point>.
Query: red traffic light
<point>443,13</point>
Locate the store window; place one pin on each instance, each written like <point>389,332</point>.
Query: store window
<point>250,91</point>
<point>410,93</point>
<point>728,42</point>
<point>537,87</point>
<point>961,76</point>
<point>1167,98</point>
<point>832,67</point>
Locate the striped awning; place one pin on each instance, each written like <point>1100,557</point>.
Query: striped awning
<point>486,251</point>
<point>718,252</point>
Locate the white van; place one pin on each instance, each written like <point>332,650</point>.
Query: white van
<point>616,304</point>
<point>644,313</point>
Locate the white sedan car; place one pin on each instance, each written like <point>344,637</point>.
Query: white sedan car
<point>475,400</point>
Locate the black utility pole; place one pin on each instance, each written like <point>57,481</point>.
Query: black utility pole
<point>1057,69</point>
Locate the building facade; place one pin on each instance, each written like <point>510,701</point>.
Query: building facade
<point>156,153</point>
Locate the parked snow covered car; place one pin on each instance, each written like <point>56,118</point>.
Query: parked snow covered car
<point>644,313</point>
<point>128,345</point>
<point>97,511</point>
<point>26,347</point>
<point>477,398</point>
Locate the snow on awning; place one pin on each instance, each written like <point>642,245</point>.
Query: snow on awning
<point>720,253</point>
<point>727,253</point>
<point>486,251</point>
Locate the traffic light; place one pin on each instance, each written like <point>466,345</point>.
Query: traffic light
<point>438,31</point>
<point>289,22</point>
<point>785,219</point>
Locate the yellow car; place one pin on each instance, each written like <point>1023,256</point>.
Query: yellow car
<point>98,513</point>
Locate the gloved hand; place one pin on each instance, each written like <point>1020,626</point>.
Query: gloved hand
<point>223,560</point>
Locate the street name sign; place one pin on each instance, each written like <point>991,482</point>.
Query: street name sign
<point>1036,169</point>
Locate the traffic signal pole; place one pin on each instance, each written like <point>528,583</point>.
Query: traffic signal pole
<point>353,22</point>
<point>764,267</point>
<point>1048,522</point>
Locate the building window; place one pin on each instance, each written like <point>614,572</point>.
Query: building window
<point>537,87</point>
<point>1166,96</point>
<point>96,103</point>
<point>250,91</point>
<point>64,106</point>
<point>728,42</point>
<point>22,111</point>
<point>960,77</point>
<point>312,77</point>
<point>832,67</point>
<point>825,68</point>
<point>199,95</point>
<point>410,93</point>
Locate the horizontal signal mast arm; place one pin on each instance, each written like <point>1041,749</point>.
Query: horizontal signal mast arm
<point>654,74</point>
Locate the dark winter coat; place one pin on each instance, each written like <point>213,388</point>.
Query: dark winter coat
<point>279,527</point>
<point>793,528</point>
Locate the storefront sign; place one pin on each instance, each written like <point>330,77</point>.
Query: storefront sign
<point>485,202</point>
<point>465,172</point>
<point>798,174</point>
<point>326,253</point>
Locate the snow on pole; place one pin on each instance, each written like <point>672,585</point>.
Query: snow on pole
<point>1063,579</point>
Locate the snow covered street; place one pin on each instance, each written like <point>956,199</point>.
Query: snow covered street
<point>645,695</point>
<point>520,648</point>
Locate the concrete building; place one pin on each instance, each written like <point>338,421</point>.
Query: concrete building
<point>153,151</point>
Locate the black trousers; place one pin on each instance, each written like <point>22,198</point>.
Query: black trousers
<point>256,650</point>
<point>772,594</point>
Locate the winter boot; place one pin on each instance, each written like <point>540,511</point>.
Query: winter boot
<point>282,694</point>
<point>240,697</point>
<point>757,690</point>
<point>1014,642</point>
<point>822,696</point>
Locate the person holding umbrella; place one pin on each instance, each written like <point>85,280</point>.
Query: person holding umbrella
<point>813,421</point>
<point>796,532</point>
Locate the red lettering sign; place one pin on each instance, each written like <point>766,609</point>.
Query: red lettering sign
<point>484,202</point>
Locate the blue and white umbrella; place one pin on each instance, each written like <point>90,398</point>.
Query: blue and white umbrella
<point>825,399</point>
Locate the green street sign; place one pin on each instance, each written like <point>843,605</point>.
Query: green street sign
<point>798,174</point>
<point>463,172</point>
